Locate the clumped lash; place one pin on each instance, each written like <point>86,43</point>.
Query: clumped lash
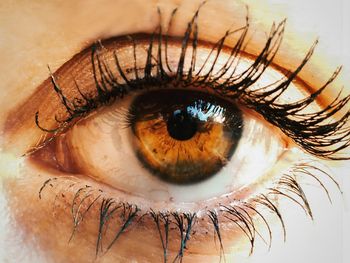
<point>318,132</point>
<point>162,221</point>
<point>245,215</point>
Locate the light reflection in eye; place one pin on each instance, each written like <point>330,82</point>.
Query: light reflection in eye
<point>105,76</point>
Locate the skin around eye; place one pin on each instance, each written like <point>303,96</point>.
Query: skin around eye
<point>229,75</point>
<point>26,187</point>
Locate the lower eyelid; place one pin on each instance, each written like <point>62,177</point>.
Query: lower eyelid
<point>55,208</point>
<point>143,236</point>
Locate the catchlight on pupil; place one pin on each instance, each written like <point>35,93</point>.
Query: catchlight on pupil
<point>184,136</point>
<point>181,125</point>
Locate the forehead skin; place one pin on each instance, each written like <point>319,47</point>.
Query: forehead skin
<point>34,34</point>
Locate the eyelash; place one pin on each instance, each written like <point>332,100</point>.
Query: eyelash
<point>311,133</point>
<point>239,212</point>
<point>315,132</point>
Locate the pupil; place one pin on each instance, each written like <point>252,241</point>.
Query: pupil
<point>181,125</point>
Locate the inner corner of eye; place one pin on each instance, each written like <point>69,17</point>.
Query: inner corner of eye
<point>168,144</point>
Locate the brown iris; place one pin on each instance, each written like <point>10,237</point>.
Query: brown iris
<point>184,136</point>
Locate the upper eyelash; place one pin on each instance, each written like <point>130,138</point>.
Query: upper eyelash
<point>317,132</point>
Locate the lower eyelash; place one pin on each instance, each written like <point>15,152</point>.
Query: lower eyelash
<point>246,215</point>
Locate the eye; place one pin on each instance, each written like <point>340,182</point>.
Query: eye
<point>155,143</point>
<point>178,137</point>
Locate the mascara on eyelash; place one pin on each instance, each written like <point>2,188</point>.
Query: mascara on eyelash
<point>251,217</point>
<point>318,133</point>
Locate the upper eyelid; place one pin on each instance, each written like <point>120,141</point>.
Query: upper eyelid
<point>68,44</point>
<point>46,90</point>
<point>262,62</point>
<point>65,11</point>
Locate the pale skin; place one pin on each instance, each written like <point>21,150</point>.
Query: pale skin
<point>36,34</point>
